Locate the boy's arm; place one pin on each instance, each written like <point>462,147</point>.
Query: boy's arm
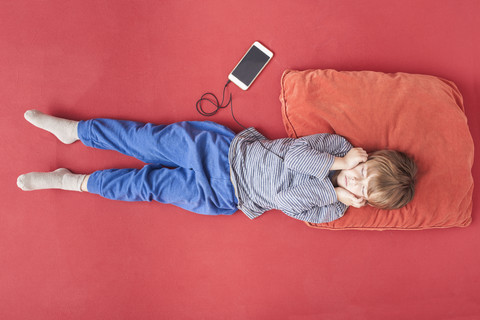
<point>330,212</point>
<point>302,197</point>
<point>351,159</point>
<point>320,214</point>
<point>316,201</point>
<point>333,144</point>
<point>316,155</point>
<point>304,159</point>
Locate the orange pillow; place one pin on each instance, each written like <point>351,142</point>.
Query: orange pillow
<point>420,115</point>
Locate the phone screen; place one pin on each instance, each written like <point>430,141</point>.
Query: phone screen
<point>250,65</point>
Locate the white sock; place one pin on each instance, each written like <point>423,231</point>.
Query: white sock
<point>59,179</point>
<point>65,130</point>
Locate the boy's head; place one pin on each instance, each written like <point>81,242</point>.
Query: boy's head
<point>386,180</point>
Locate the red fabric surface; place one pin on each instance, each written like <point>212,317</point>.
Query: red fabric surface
<point>67,255</point>
<point>420,115</point>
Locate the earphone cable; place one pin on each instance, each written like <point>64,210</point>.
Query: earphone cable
<point>212,99</point>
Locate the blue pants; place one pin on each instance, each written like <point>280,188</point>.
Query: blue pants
<point>187,163</point>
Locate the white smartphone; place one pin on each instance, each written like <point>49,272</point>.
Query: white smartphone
<point>249,67</point>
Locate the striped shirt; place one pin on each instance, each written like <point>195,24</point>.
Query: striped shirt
<point>291,175</point>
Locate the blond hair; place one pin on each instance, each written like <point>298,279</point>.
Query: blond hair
<point>392,185</point>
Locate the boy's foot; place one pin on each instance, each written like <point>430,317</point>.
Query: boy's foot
<point>59,179</point>
<point>65,130</point>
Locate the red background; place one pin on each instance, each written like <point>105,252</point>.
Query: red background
<point>67,255</point>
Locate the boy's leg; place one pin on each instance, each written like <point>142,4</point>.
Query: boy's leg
<point>179,144</point>
<point>179,186</point>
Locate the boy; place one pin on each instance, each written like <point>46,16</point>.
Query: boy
<point>204,167</point>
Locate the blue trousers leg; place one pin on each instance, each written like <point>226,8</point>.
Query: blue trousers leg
<point>188,163</point>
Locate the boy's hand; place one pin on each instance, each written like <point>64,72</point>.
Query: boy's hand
<point>354,157</point>
<point>348,198</point>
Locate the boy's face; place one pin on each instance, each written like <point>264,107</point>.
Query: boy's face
<point>355,180</point>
